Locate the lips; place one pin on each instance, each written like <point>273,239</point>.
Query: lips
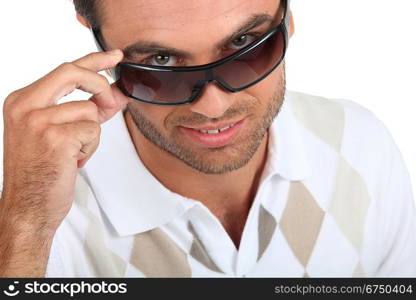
<point>213,136</point>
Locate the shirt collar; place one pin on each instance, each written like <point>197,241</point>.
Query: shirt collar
<point>131,197</point>
<point>135,201</point>
<point>287,154</point>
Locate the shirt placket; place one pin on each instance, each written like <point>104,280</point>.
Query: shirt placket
<point>213,240</point>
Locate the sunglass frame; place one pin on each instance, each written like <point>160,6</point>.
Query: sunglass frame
<point>283,27</point>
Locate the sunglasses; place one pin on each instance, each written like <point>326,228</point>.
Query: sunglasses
<point>162,85</point>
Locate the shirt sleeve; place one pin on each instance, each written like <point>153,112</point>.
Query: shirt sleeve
<point>399,230</point>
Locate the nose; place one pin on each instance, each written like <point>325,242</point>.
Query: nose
<point>213,101</point>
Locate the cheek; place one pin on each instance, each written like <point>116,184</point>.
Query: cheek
<point>266,89</point>
<point>153,113</point>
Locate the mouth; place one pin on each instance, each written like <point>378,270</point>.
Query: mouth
<point>213,136</point>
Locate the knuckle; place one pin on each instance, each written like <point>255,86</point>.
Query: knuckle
<point>91,107</point>
<point>67,67</point>
<point>91,55</point>
<point>64,65</point>
<point>13,95</point>
<point>12,112</point>
<point>69,73</point>
<point>53,134</point>
<point>32,120</point>
<point>9,102</point>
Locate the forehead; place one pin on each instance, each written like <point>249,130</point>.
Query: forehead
<point>182,20</point>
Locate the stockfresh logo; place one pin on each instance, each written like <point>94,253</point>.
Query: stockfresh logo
<point>12,290</point>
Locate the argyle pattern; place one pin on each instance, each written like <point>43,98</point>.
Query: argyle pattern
<point>316,227</point>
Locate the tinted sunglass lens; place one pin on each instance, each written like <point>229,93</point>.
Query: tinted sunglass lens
<point>254,64</point>
<point>160,86</point>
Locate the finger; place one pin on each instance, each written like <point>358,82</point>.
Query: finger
<point>62,81</point>
<point>99,61</point>
<point>106,113</point>
<point>87,151</point>
<point>65,78</point>
<point>65,113</point>
<point>82,162</point>
<point>76,136</point>
<point>120,99</point>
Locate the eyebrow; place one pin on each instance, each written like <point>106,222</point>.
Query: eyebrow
<point>142,48</point>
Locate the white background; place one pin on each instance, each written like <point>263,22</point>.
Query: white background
<point>362,50</point>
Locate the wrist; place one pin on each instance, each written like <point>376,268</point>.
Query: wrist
<point>24,246</point>
<point>22,225</point>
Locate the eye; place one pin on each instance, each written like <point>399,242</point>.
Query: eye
<point>242,41</point>
<point>162,60</point>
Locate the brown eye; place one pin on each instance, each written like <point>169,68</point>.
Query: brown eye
<point>162,59</point>
<point>242,41</point>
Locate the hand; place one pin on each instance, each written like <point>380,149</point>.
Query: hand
<point>46,143</point>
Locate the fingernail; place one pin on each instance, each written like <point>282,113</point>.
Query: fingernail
<point>114,52</point>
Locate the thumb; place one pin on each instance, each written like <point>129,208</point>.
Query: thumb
<point>121,99</point>
<point>106,113</point>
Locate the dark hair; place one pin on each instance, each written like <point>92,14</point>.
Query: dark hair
<point>89,10</point>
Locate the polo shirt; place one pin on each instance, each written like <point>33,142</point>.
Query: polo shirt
<point>334,200</point>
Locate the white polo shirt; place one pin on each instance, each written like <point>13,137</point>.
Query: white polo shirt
<point>334,200</point>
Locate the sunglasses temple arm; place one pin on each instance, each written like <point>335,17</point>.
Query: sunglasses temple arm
<point>96,34</point>
<point>287,15</point>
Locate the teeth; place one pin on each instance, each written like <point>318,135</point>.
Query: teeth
<point>215,131</point>
<point>225,128</point>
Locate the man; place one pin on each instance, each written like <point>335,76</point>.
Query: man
<point>183,169</point>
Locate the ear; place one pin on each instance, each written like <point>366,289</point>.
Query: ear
<point>292,25</point>
<point>83,21</point>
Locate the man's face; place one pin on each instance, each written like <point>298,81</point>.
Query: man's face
<point>196,28</point>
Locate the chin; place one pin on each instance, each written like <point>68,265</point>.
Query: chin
<point>218,160</point>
